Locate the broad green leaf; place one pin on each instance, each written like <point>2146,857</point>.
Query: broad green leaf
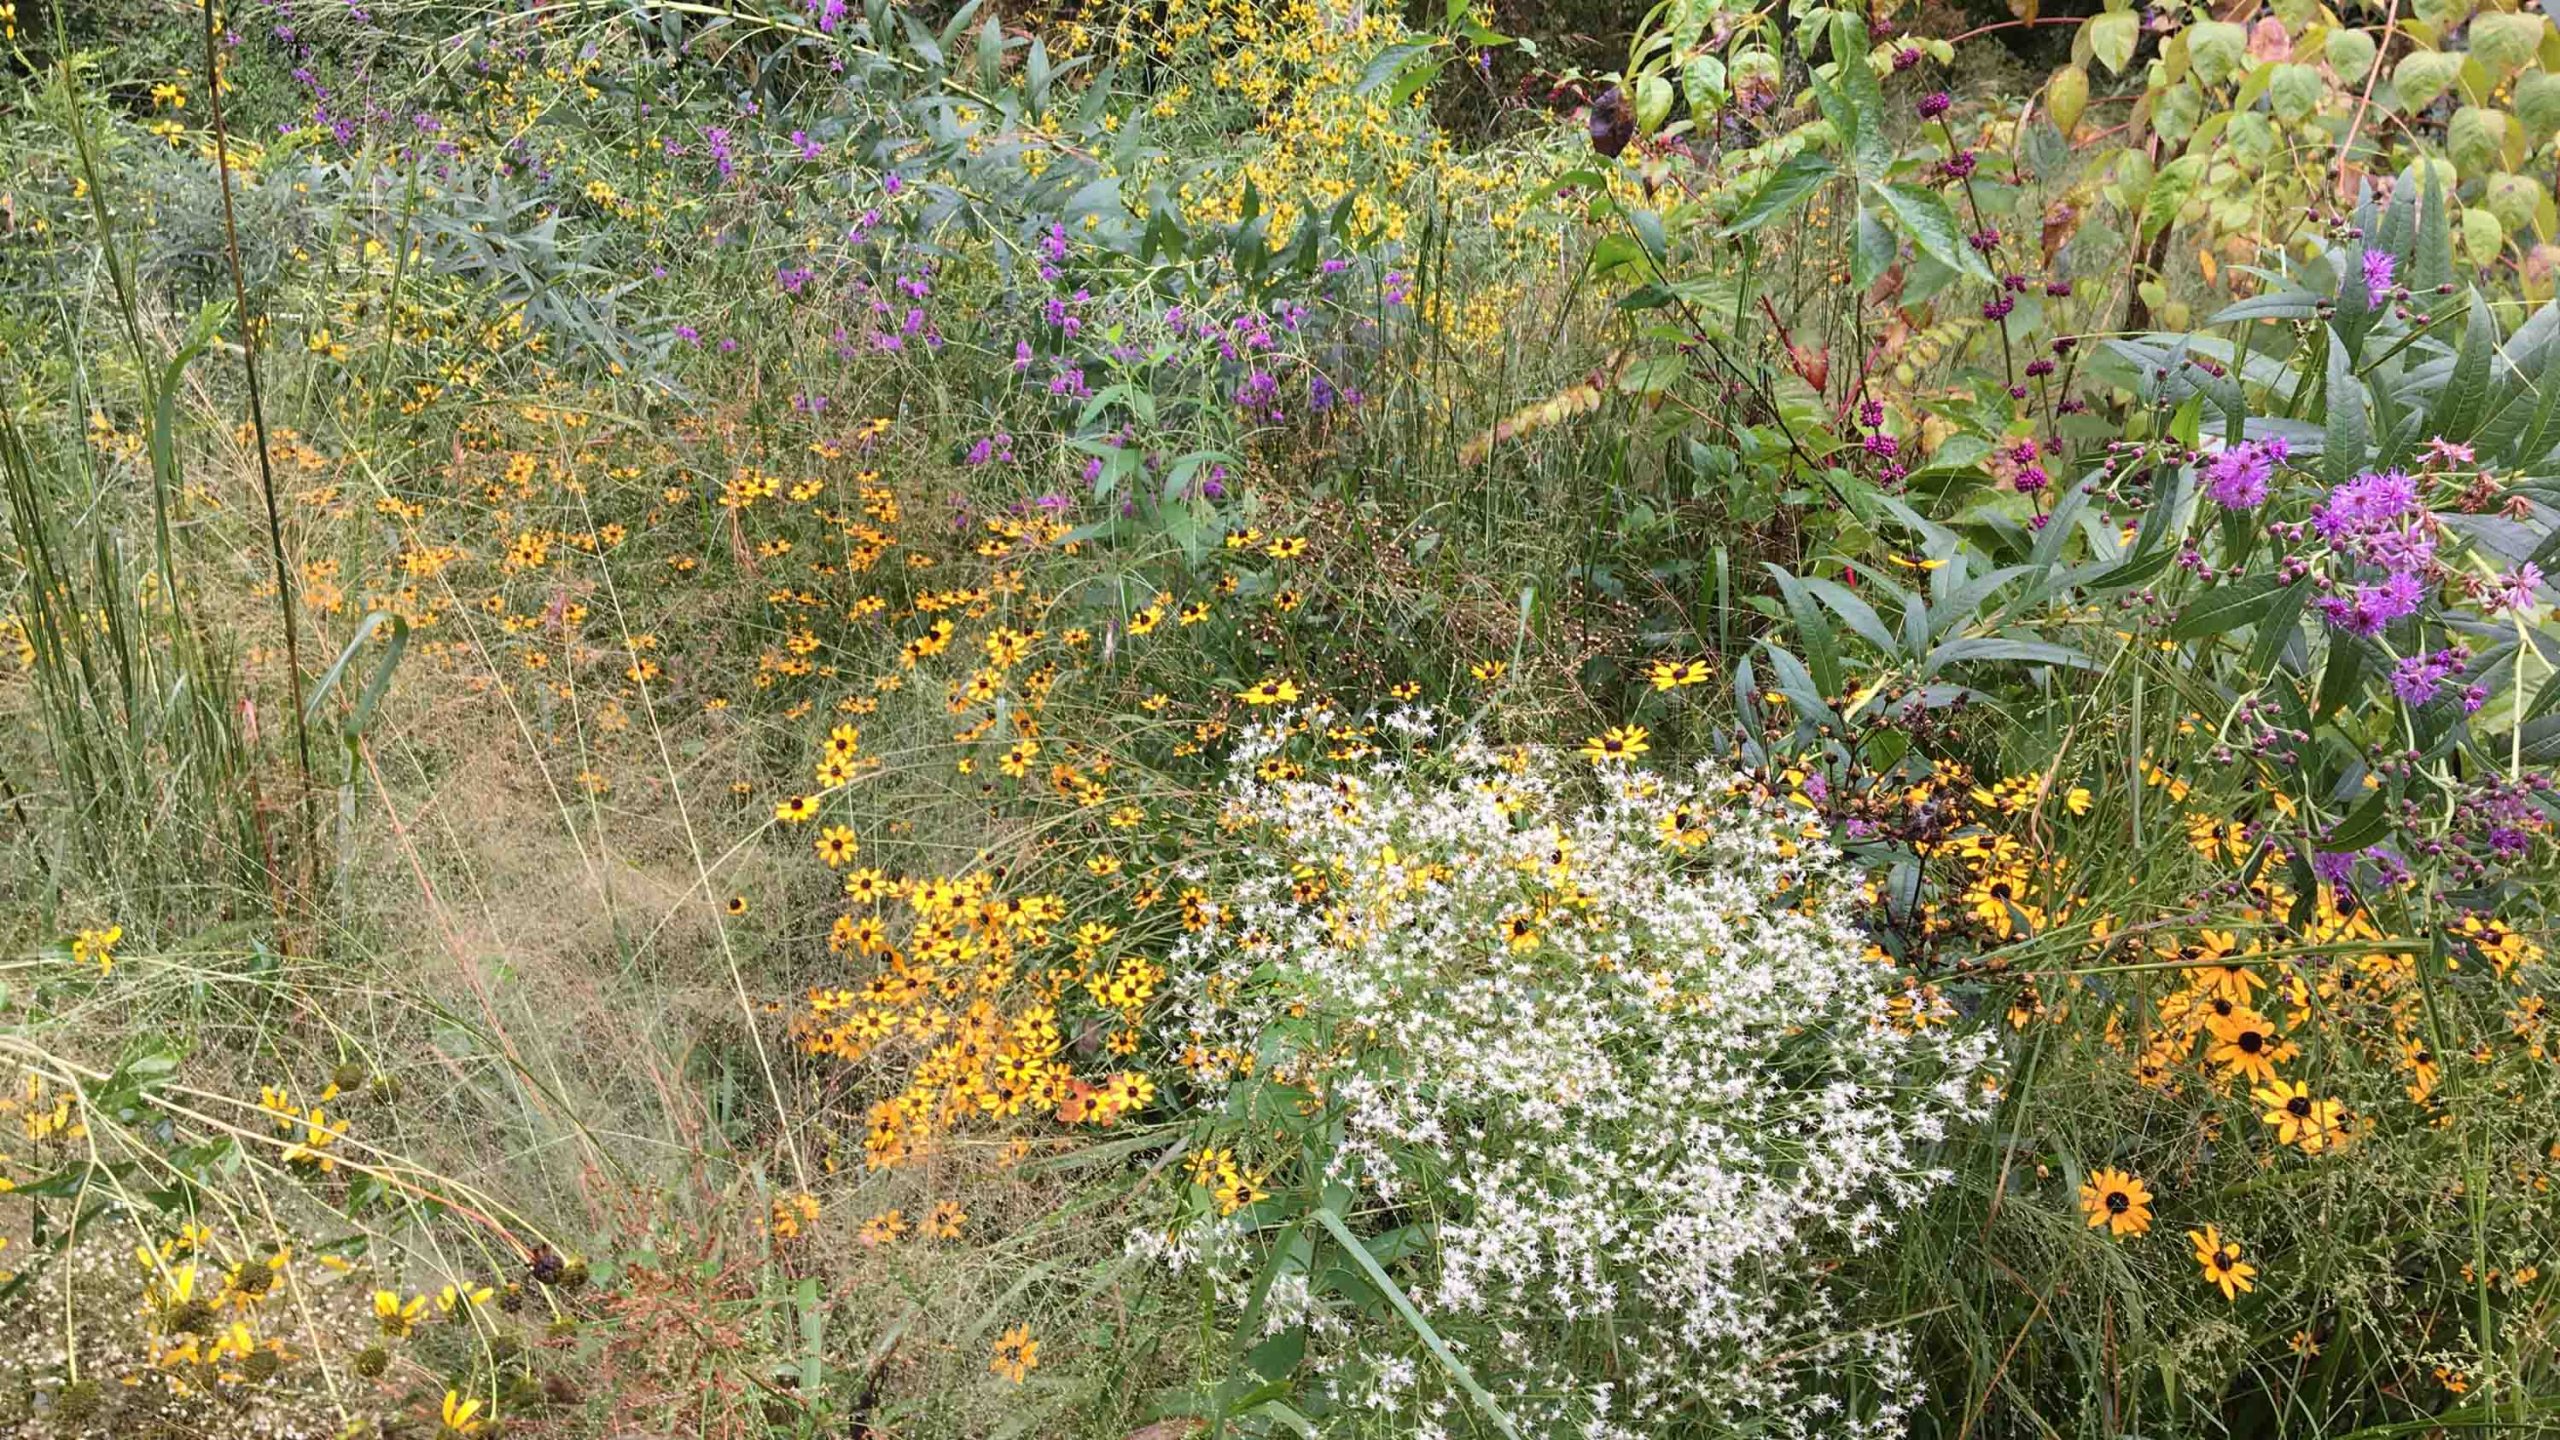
<point>1924,216</point>
<point>2422,75</point>
<point>2112,37</point>
<point>2350,54</point>
<point>2293,91</point>
<point>2216,50</point>
<point>2504,42</point>
<point>1875,249</point>
<point>1779,193</point>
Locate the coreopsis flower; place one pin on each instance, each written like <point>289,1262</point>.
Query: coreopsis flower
<point>2117,1200</point>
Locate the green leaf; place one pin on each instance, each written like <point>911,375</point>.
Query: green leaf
<point>2464,401</point>
<point>2112,37</point>
<point>2368,823</point>
<point>2216,49</point>
<point>2281,622</point>
<point>1359,1254</point>
<point>1785,186</point>
<point>2342,451</point>
<point>1996,647</point>
<point>2278,305</point>
<point>1875,249</point>
<point>2434,262</point>
<point>1860,616</point>
<point>1868,146</point>
<point>2226,607</point>
<point>1924,216</point>
<point>1813,628</point>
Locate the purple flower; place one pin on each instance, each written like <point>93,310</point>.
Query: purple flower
<point>1935,104</point>
<point>2236,479</point>
<point>2378,268</point>
<point>2418,679</point>
<point>2514,591</point>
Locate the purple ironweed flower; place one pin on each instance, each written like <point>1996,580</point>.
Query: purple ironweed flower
<point>2419,678</point>
<point>2514,591</point>
<point>2379,266</point>
<point>2237,478</point>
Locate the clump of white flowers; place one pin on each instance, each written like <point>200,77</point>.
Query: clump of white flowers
<point>1611,1042</point>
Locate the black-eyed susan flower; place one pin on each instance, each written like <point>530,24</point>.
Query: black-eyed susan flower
<point>2220,1260</point>
<point>2245,1044</point>
<point>1672,674</point>
<point>2303,1121</point>
<point>2117,1200</point>
<point>1016,1355</point>
<point>1269,690</point>
<point>1618,742</point>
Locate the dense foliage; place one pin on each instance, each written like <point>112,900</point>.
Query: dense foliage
<point>1245,717</point>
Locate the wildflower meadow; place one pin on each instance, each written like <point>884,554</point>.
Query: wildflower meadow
<point>1146,719</point>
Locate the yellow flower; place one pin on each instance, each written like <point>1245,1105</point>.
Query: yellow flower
<point>2308,1125</point>
<point>97,947</point>
<point>396,1314</point>
<point>1269,690</point>
<point>1016,1354</point>
<point>461,1417</point>
<point>836,846</point>
<point>2117,1200</point>
<point>1619,742</point>
<point>796,809</point>
<point>2221,1263</point>
<point>1672,674</point>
